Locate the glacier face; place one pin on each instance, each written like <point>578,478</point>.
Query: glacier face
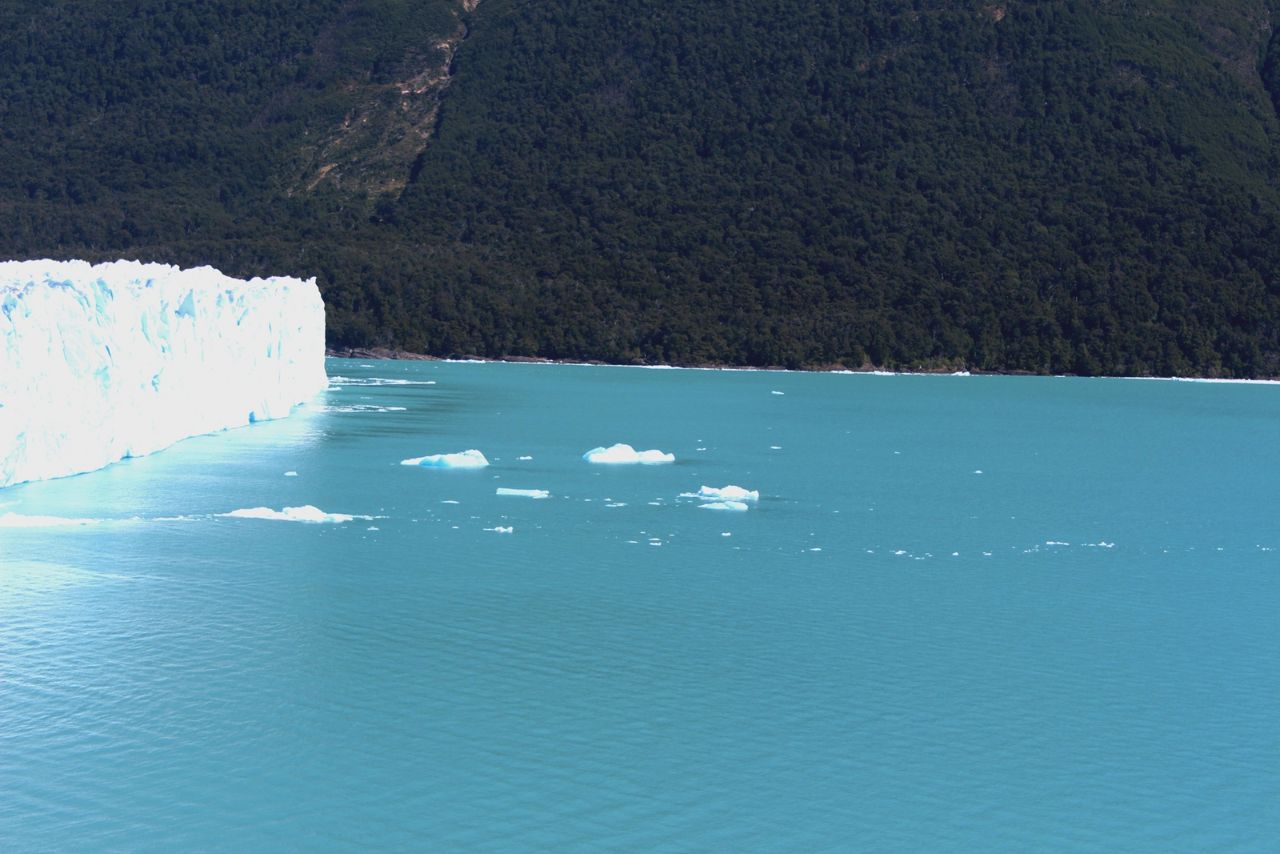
<point>99,362</point>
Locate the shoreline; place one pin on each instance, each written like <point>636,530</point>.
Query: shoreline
<point>388,354</point>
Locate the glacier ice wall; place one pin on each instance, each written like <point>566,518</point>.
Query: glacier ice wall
<point>107,361</point>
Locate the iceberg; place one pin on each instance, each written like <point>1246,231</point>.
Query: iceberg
<point>471,459</point>
<point>723,493</point>
<point>524,493</point>
<point>103,362</point>
<point>625,454</point>
<point>305,513</point>
<point>735,506</point>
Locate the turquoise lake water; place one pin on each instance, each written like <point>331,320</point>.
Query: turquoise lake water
<point>966,614</point>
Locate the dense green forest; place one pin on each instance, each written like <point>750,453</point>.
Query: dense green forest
<point>1078,187</point>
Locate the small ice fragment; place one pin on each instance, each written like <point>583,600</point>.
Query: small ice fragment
<point>775,447</point>
<point>526,457</point>
<point>373,528</point>
<point>291,474</point>
<point>471,459</point>
<point>735,506</point>
<point>726,533</point>
<point>955,554</point>
<point>727,493</point>
<point>617,504</point>
<point>778,392</point>
<point>699,449</point>
<point>625,454</point>
<point>900,552</point>
<point>501,529</point>
<point>524,493</point>
<point>977,471</point>
<point>306,513</point>
<point>449,501</point>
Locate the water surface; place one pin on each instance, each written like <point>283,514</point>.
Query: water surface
<point>967,613</point>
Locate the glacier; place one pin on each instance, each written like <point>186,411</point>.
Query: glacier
<point>101,362</point>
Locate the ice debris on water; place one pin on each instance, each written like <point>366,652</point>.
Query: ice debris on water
<point>524,493</point>
<point>625,454</point>
<point>500,529</point>
<point>724,493</point>
<point>470,459</point>
<point>291,474</point>
<point>306,513</point>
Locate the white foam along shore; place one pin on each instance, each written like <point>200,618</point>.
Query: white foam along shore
<point>107,361</point>
<point>623,454</point>
<point>470,459</point>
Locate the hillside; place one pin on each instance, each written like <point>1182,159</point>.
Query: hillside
<point>1046,187</point>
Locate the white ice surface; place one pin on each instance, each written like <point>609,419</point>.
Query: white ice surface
<point>524,493</point>
<point>471,459</point>
<point>305,513</point>
<point>108,361</point>
<point>625,454</point>
<point>735,506</point>
<point>724,493</point>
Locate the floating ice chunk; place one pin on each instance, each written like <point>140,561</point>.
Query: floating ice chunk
<point>500,529</point>
<point>525,458</point>
<point>977,471</point>
<point>625,454</point>
<point>726,533</point>
<point>775,447</point>
<point>727,493</point>
<point>616,504</point>
<point>471,459</point>
<point>735,506</point>
<point>18,520</point>
<point>305,513</point>
<point>291,474</point>
<point>524,493</point>
<point>779,393</point>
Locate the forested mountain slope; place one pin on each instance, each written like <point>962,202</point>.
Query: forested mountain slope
<point>1041,186</point>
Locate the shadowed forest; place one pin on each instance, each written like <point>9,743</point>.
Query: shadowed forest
<point>1051,187</point>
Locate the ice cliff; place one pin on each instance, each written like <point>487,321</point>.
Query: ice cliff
<point>107,361</point>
